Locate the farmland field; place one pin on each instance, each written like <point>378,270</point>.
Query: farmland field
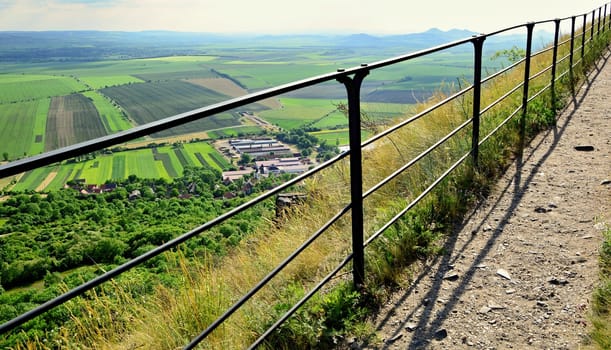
<point>296,112</point>
<point>72,119</point>
<point>98,170</point>
<point>166,162</point>
<point>63,175</point>
<point>229,88</point>
<point>118,167</point>
<point>111,116</point>
<point>22,127</point>
<point>257,75</point>
<point>15,88</point>
<point>32,179</point>
<point>234,131</point>
<point>339,137</point>
<point>104,81</point>
<point>149,102</point>
<point>209,153</point>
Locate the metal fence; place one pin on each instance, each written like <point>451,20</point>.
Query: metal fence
<point>580,40</point>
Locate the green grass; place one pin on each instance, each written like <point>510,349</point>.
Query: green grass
<point>20,124</point>
<point>601,300</point>
<point>16,88</point>
<point>332,120</point>
<point>111,116</point>
<point>170,168</point>
<point>141,163</point>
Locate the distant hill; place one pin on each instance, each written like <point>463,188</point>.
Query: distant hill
<point>102,45</point>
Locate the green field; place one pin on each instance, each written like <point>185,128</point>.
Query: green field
<point>338,137</point>
<point>161,162</point>
<point>104,81</point>
<point>32,179</point>
<point>111,116</point>
<point>237,131</point>
<point>26,87</point>
<point>22,127</point>
<point>211,156</point>
<point>296,112</point>
<point>257,75</point>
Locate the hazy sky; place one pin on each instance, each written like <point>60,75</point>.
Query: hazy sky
<point>283,16</point>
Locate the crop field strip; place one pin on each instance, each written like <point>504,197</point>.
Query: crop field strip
<point>164,158</point>
<point>118,167</point>
<point>32,179</point>
<point>72,119</point>
<point>24,125</point>
<point>19,88</point>
<point>111,116</point>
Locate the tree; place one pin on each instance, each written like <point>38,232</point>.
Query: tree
<point>245,159</point>
<point>512,55</point>
<point>5,156</point>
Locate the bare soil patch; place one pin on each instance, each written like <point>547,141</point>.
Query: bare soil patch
<point>520,270</point>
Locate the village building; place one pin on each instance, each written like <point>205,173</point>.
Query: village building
<point>293,165</point>
<point>260,148</point>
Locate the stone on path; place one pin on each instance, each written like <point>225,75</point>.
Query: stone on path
<point>503,273</point>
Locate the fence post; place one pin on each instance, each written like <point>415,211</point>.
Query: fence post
<point>604,17</point>
<point>478,44</point>
<point>572,47</point>
<point>554,58</point>
<point>598,25</point>
<point>592,28</point>
<point>353,89</point>
<point>529,39</point>
<point>583,36</point>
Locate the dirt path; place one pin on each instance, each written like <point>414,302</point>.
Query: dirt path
<point>520,272</point>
